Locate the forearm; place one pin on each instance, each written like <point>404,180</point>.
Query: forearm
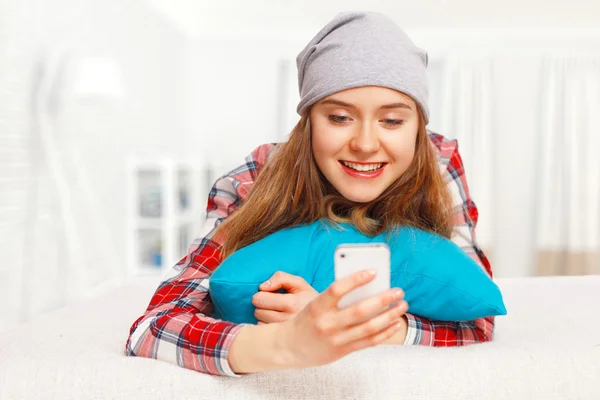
<point>192,341</point>
<point>426,332</point>
<point>256,348</point>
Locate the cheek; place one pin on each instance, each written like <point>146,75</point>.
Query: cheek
<point>401,147</point>
<point>318,149</point>
<point>324,144</point>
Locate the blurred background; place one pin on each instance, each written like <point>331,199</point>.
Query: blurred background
<point>117,116</point>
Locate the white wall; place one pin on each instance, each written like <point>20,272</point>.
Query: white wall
<point>232,99</point>
<point>149,119</point>
<point>296,18</point>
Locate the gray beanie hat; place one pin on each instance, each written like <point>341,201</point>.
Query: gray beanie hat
<point>361,49</point>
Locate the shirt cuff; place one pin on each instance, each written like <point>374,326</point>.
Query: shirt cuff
<point>222,360</point>
<point>412,333</point>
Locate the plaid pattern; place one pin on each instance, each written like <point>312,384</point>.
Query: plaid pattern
<point>177,326</point>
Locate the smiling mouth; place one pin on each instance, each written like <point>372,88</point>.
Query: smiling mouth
<point>362,167</point>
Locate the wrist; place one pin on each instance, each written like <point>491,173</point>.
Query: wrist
<point>258,348</point>
<point>283,344</point>
<point>400,336</point>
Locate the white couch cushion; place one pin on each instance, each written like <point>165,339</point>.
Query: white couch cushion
<point>547,347</point>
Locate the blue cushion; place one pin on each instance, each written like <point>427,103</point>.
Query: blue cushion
<point>440,280</point>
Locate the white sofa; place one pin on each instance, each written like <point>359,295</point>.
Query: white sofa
<point>547,347</point>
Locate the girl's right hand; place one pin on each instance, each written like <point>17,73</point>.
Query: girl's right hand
<point>322,333</point>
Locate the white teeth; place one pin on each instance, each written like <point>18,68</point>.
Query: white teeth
<point>362,167</point>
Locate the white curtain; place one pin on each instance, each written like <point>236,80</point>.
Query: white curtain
<point>465,114</point>
<point>568,192</point>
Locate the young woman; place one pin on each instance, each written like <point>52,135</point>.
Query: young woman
<point>360,153</point>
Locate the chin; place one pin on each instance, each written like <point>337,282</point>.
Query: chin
<point>360,197</point>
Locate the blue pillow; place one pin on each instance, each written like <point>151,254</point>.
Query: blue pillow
<point>440,280</point>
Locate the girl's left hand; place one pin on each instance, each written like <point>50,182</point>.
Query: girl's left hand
<point>279,307</point>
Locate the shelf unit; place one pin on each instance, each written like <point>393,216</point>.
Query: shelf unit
<point>166,200</point>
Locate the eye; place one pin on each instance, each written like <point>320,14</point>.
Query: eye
<point>339,119</point>
<point>393,122</point>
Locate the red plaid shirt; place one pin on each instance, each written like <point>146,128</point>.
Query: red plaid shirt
<point>177,326</point>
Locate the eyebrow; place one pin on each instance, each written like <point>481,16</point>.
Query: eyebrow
<point>386,106</point>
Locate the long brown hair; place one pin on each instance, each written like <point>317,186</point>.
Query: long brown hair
<point>290,190</point>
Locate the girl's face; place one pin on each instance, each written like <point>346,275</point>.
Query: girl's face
<point>363,139</point>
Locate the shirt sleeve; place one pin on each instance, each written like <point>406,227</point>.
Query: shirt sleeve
<point>427,332</point>
<point>176,326</point>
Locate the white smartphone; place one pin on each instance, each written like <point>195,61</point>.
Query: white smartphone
<point>351,258</point>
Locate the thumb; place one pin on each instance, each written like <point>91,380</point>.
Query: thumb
<point>283,280</point>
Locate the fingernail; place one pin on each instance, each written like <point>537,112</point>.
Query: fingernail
<point>398,293</point>
<point>369,272</point>
<point>266,283</point>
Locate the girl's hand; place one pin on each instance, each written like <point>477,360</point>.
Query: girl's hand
<point>279,307</point>
<point>321,333</point>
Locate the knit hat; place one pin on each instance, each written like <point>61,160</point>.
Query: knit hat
<point>361,49</point>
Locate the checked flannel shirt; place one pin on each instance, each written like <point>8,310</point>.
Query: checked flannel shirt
<point>177,326</point>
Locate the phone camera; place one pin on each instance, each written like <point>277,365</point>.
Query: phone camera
<point>342,255</point>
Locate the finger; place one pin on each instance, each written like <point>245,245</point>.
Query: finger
<point>373,326</point>
<point>260,323</point>
<point>373,340</point>
<point>367,308</point>
<point>283,280</point>
<point>269,316</point>
<point>271,301</point>
<point>330,297</point>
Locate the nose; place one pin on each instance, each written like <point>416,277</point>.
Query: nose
<point>365,140</point>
